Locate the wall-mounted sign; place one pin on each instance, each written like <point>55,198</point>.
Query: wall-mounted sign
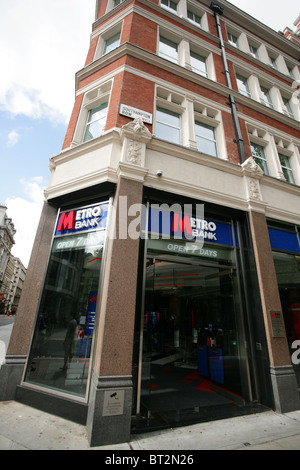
<point>113,403</point>
<point>135,113</point>
<point>171,224</point>
<point>277,324</point>
<point>93,217</point>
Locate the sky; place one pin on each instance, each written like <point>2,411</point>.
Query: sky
<point>42,45</point>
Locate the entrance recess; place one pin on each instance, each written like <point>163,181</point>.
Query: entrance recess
<point>192,358</point>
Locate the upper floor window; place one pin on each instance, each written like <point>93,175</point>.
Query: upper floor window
<point>111,43</point>
<point>287,109</point>
<point>167,125</point>
<point>266,97</point>
<point>259,156</point>
<point>206,138</point>
<point>96,122</point>
<point>233,40</point>
<point>286,168</point>
<point>194,18</point>
<point>198,63</point>
<point>253,51</point>
<point>168,49</point>
<point>117,2</point>
<point>169,5</point>
<point>273,62</point>
<point>291,72</point>
<point>243,86</point>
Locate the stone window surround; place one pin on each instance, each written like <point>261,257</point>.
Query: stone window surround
<point>191,110</point>
<point>274,144</point>
<point>91,99</point>
<point>277,93</point>
<point>264,52</point>
<point>185,46</point>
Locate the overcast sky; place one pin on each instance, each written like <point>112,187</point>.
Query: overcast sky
<point>42,44</point>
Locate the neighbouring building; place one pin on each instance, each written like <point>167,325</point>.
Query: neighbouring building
<point>293,35</point>
<point>7,233</point>
<point>164,282</point>
<point>14,279</point>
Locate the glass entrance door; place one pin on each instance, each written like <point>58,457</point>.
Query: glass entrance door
<point>191,356</point>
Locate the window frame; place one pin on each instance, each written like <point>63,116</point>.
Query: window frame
<point>266,97</point>
<point>259,159</point>
<point>244,80</point>
<point>253,51</point>
<point>105,51</point>
<point>231,41</point>
<point>199,58</point>
<point>163,55</point>
<point>161,124</point>
<point>287,109</point>
<point>202,124</point>
<point>93,121</point>
<point>286,168</point>
<point>192,20</point>
<point>167,6</point>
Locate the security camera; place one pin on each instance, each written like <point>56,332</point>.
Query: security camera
<point>159,173</point>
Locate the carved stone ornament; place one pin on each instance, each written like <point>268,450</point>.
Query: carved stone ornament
<point>134,152</point>
<point>254,192</point>
<point>136,130</point>
<point>251,166</point>
<point>134,137</point>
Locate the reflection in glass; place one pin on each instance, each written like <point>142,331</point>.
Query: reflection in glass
<point>288,277</point>
<point>167,125</point>
<point>191,355</point>
<point>61,347</point>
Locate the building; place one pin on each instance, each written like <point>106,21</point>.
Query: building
<point>14,278</point>
<point>164,284</point>
<point>293,35</point>
<point>7,232</point>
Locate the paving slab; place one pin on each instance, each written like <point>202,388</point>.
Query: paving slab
<point>23,427</point>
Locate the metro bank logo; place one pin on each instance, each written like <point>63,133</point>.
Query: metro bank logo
<point>81,220</point>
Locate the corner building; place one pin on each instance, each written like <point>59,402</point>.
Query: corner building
<point>182,107</point>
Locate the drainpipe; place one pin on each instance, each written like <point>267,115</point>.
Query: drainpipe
<point>218,10</point>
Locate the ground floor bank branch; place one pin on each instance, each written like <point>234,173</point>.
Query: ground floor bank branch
<point>194,319</point>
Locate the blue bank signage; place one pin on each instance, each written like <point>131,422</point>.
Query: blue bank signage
<point>84,219</point>
<point>283,240</point>
<point>178,226</point>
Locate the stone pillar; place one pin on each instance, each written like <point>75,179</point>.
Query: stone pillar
<point>284,383</point>
<point>283,379</point>
<point>11,372</point>
<point>110,402</point>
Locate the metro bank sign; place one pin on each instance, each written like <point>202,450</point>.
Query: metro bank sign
<point>92,217</point>
<point>171,224</point>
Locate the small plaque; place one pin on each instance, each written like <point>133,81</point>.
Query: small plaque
<point>277,324</point>
<point>113,403</point>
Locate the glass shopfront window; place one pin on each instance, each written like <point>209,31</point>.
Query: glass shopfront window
<point>286,255</point>
<point>193,361</point>
<point>62,342</point>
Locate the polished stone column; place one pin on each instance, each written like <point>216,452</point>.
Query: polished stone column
<point>283,379</point>
<point>110,402</point>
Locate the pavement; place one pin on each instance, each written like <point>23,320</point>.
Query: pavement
<point>25,428</point>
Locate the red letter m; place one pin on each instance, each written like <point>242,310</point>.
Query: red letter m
<point>66,221</point>
<point>181,225</point>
